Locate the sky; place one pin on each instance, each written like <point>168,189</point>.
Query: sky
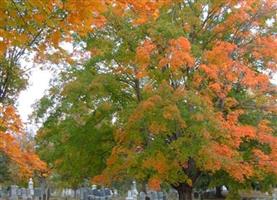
<point>39,80</point>
<point>38,84</point>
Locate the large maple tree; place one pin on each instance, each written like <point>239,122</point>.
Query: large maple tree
<point>187,91</point>
<point>199,75</point>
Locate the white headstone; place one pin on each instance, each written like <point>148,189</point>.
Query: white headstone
<point>115,192</point>
<point>31,187</point>
<point>134,190</point>
<point>130,196</point>
<point>24,194</point>
<point>155,195</point>
<point>13,192</point>
<point>224,191</point>
<point>142,195</point>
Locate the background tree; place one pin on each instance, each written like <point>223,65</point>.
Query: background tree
<point>30,28</point>
<point>22,29</point>
<point>11,136</point>
<point>76,137</point>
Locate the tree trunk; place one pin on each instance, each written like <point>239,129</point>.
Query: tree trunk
<point>184,191</point>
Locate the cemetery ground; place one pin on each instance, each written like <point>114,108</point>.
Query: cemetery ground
<point>99,193</point>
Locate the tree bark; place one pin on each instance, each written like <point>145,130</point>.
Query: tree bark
<point>184,191</point>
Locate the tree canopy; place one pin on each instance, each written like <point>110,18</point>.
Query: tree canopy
<point>172,91</point>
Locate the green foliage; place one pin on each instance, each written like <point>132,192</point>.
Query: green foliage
<point>12,80</point>
<point>162,102</point>
<point>4,169</point>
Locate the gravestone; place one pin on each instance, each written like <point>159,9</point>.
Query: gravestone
<point>82,193</point>
<point>31,187</point>
<point>18,192</point>
<point>115,192</point>
<point>224,191</point>
<point>150,194</point>
<point>274,194</point>
<point>155,196</point>
<point>142,195</point>
<point>68,192</point>
<point>1,194</point>
<point>13,192</point>
<point>37,194</point>
<point>97,193</point>
<point>134,190</point>
<point>91,193</point>
<point>78,194</point>
<point>24,194</point>
<point>129,195</point>
<point>161,196</point>
<point>86,193</point>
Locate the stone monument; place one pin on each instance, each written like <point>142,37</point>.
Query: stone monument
<point>31,187</point>
<point>13,192</point>
<point>129,196</point>
<point>134,190</point>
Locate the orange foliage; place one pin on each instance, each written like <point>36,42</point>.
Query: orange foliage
<point>202,93</point>
<point>226,159</point>
<point>154,184</point>
<point>224,71</point>
<point>11,132</point>
<point>100,180</point>
<point>178,54</point>
<point>143,53</point>
<point>157,128</point>
<point>158,163</point>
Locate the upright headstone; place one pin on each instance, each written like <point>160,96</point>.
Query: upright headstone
<point>31,187</point>
<point>161,196</point>
<point>97,194</point>
<point>92,192</point>
<point>24,194</point>
<point>129,195</point>
<point>82,193</point>
<point>13,192</point>
<point>274,194</point>
<point>224,191</point>
<point>142,196</point>
<point>155,196</point>
<point>37,194</point>
<point>102,194</point>
<point>18,192</point>
<point>78,194</point>
<point>108,193</point>
<point>115,192</point>
<point>134,190</point>
<point>1,193</point>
